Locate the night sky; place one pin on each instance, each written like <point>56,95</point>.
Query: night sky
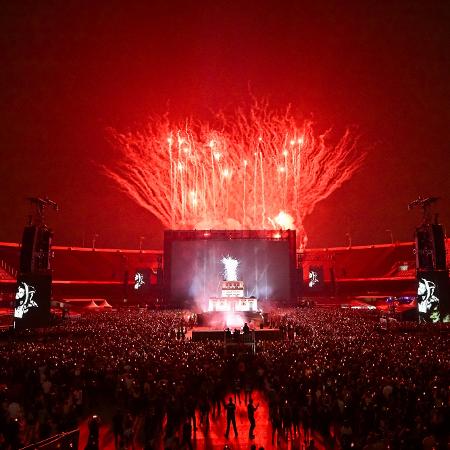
<point>71,69</point>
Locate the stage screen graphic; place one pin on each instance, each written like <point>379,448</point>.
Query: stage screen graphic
<point>32,301</point>
<point>197,268</point>
<point>316,278</point>
<point>142,280</point>
<point>433,296</point>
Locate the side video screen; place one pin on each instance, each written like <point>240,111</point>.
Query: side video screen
<point>32,301</point>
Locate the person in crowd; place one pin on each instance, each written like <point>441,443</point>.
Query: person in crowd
<point>205,409</point>
<point>231,417</point>
<point>128,432</point>
<point>117,428</point>
<point>286,416</point>
<point>237,390</point>
<point>186,440</point>
<point>236,334</point>
<point>248,388</point>
<point>93,438</point>
<point>190,407</point>
<point>251,408</point>
<point>275,419</point>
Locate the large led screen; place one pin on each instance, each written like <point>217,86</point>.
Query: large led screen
<point>197,268</point>
<point>316,278</point>
<point>433,296</point>
<point>142,280</point>
<point>32,302</point>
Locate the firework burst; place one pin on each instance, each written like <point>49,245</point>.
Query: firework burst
<point>253,169</point>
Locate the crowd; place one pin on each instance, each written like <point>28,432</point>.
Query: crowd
<point>334,373</point>
<point>339,374</point>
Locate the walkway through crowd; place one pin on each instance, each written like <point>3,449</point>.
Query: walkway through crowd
<point>214,438</point>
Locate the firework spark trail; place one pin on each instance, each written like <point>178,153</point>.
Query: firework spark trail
<point>240,173</point>
<point>230,268</point>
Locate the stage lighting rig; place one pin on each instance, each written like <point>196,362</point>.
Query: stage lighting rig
<point>433,290</point>
<point>34,281</point>
<point>40,205</point>
<point>425,204</point>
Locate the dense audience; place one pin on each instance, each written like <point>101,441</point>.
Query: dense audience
<point>371,389</point>
<point>335,372</point>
